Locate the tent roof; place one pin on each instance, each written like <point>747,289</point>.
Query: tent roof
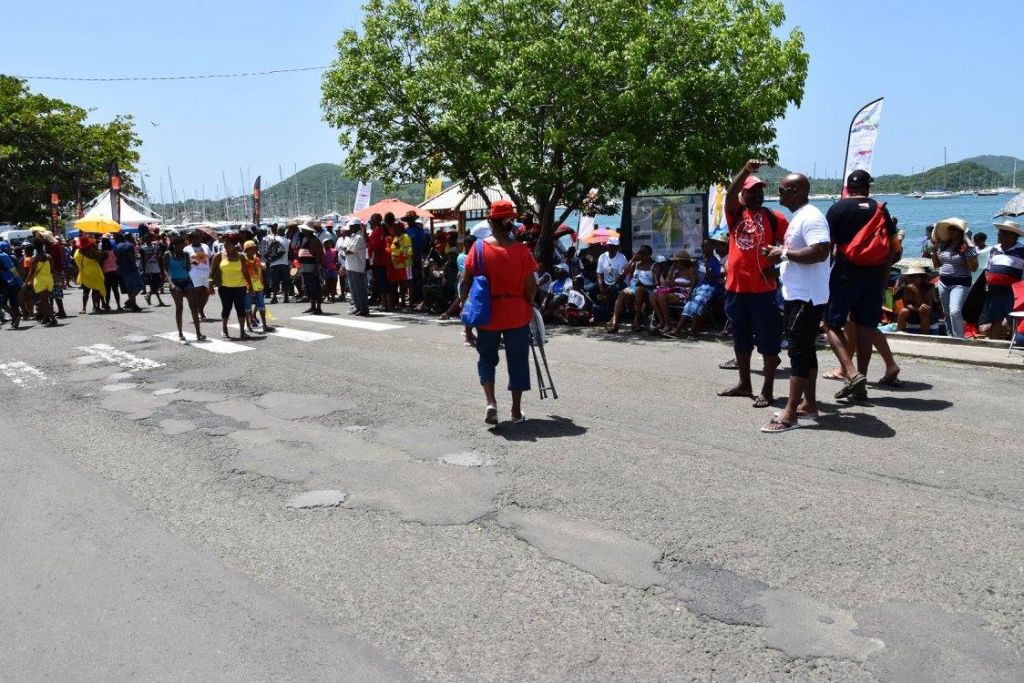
<point>129,214</point>
<point>459,198</point>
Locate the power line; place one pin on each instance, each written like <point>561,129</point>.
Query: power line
<point>175,78</point>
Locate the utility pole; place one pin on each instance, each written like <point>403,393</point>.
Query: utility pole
<point>295,182</point>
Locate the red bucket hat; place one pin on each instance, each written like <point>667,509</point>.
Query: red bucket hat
<point>502,208</point>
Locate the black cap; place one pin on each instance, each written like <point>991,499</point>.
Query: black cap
<point>858,178</point>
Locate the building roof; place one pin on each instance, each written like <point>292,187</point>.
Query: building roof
<point>463,199</point>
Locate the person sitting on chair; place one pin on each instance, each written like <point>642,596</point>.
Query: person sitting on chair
<point>640,273</point>
<point>918,296</point>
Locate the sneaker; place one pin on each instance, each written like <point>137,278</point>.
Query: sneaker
<point>517,420</point>
<point>491,416</point>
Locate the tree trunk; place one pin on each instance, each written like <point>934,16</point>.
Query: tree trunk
<point>626,221</point>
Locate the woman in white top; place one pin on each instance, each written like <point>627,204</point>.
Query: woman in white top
<point>640,274</point>
<point>199,256</point>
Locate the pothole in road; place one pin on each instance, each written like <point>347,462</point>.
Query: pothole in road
<point>174,417</point>
<point>290,406</point>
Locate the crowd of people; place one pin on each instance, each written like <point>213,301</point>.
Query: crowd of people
<point>767,281</point>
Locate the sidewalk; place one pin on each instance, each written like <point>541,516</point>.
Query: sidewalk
<point>969,352</point>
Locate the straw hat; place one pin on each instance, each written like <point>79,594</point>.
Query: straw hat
<point>682,255</point>
<point>916,269</point>
<point>943,229</point>
<point>1010,226</point>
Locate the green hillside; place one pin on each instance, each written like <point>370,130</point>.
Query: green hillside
<point>1003,165</point>
<point>315,190</point>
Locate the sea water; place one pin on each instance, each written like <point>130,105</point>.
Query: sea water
<point>914,215</point>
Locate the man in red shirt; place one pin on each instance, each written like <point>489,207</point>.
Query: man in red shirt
<point>750,282</point>
<point>379,258</point>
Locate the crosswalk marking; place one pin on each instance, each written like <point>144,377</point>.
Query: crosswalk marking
<point>348,322</point>
<point>292,333</point>
<point>212,345</point>
<point>22,374</point>
<point>115,356</point>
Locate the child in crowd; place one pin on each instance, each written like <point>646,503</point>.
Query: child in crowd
<point>256,303</point>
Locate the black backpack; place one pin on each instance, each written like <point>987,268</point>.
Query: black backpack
<point>274,251</point>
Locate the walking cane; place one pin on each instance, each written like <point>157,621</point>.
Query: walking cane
<point>537,339</point>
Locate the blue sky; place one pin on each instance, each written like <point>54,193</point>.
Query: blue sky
<point>947,70</point>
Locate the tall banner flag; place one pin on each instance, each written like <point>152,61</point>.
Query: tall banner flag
<point>716,209</point>
<point>54,207</point>
<point>79,209</point>
<point>114,176</point>
<point>256,202</point>
<point>362,196</point>
<point>433,188</point>
<point>860,145</point>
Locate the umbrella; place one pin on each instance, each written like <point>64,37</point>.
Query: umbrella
<point>207,230</point>
<point>1014,207</point>
<point>601,236</point>
<point>563,230</point>
<point>395,206</point>
<point>97,224</point>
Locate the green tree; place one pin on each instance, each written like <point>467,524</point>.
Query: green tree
<point>550,98</point>
<point>45,140</point>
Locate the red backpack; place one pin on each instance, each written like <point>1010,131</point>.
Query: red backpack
<point>870,246</point>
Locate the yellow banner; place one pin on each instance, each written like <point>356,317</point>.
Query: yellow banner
<point>433,188</point>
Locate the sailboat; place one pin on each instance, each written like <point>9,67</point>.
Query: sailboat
<point>944,193</point>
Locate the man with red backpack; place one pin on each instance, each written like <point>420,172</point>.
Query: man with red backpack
<point>863,233</point>
<point>751,282</point>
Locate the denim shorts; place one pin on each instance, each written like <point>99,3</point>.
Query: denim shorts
<point>756,321</point>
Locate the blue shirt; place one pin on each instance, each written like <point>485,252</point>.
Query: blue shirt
<point>7,272</point>
<point>418,237</point>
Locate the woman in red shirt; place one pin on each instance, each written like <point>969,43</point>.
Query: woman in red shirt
<point>510,268</point>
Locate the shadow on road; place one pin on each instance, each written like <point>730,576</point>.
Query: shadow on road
<point>921,405</point>
<point>904,387</point>
<point>554,427</point>
<point>859,424</point>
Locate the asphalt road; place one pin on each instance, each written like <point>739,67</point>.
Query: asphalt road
<point>638,527</point>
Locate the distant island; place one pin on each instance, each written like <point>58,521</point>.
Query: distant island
<point>321,189</point>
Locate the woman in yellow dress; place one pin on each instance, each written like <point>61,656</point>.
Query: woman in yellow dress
<point>90,273</point>
<point>41,277</point>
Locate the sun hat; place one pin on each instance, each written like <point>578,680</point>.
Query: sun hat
<point>1010,226</point>
<point>682,255</point>
<point>307,227</point>
<point>500,209</point>
<point>249,243</point>
<point>753,181</point>
<point>292,223</point>
<point>943,228</point>
<point>613,242</point>
<point>916,269</point>
<point>355,222</point>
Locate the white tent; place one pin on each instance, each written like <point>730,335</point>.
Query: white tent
<point>129,214</point>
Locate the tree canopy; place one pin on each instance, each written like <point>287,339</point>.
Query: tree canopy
<point>550,98</point>
<point>45,140</point>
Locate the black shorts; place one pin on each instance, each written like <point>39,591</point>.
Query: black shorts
<point>154,281</point>
<point>182,285</point>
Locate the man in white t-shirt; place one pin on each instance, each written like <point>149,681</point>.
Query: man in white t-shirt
<point>611,267</point>
<point>805,287</point>
<point>354,251</point>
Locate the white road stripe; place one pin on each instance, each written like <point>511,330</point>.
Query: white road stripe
<point>361,324</point>
<point>114,356</point>
<point>212,345</point>
<point>292,333</point>
<point>22,374</point>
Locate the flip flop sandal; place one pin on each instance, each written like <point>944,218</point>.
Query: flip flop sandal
<point>732,393</point>
<point>834,376</point>
<point>801,416</point>
<point>853,386</point>
<point>894,382</point>
<point>727,365</point>
<point>782,426</point>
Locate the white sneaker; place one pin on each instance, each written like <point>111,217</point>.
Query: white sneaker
<point>517,420</point>
<point>491,417</point>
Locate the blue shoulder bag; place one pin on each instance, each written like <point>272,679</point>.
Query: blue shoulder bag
<point>477,311</point>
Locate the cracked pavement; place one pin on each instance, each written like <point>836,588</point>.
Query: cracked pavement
<point>638,527</point>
